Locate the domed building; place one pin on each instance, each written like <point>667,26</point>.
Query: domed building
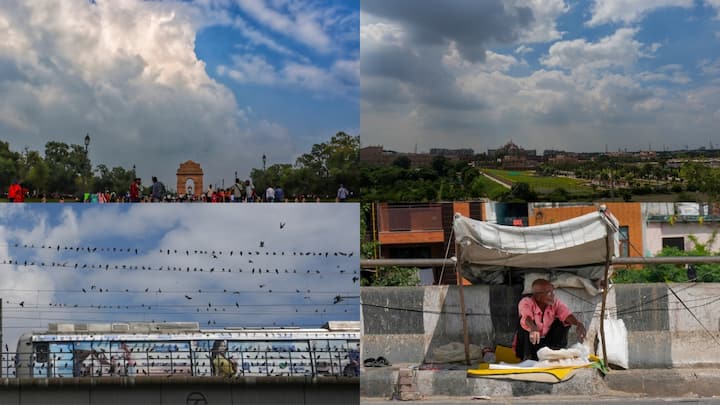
<point>514,157</point>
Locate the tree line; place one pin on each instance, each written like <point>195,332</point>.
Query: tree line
<point>65,170</point>
<point>446,180</point>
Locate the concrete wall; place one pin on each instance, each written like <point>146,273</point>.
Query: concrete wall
<point>192,391</point>
<point>404,324</point>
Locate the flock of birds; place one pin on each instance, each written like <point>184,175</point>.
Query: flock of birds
<point>254,261</point>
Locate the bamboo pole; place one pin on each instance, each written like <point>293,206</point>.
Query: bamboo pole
<point>604,297</point>
<point>466,337</point>
<point>616,261</point>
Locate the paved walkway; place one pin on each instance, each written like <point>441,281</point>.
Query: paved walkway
<point>687,383</point>
<point>551,400</point>
<point>496,180</point>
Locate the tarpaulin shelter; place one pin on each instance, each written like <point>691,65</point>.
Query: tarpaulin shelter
<point>483,248</point>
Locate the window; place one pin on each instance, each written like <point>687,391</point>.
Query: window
<point>624,241</point>
<point>676,242</point>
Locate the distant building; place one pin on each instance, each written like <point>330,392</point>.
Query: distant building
<point>464,153</point>
<point>420,231</point>
<point>514,157</point>
<point>512,149</point>
<point>377,155</point>
<point>562,158</point>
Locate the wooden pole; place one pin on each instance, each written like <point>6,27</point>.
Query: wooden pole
<point>466,337</point>
<point>604,297</point>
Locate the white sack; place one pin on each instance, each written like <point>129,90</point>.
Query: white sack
<point>616,341</point>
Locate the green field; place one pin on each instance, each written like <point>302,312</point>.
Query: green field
<point>540,184</point>
<point>492,189</point>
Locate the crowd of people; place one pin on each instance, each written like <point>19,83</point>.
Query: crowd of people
<point>239,192</point>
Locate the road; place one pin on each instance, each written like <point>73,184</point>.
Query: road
<point>550,400</point>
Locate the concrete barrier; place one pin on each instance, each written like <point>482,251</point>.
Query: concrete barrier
<point>179,390</point>
<point>405,325</point>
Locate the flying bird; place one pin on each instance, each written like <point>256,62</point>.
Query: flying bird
<point>22,304</point>
<point>282,225</point>
<point>188,297</point>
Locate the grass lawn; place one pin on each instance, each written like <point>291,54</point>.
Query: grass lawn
<point>492,189</point>
<point>540,184</point>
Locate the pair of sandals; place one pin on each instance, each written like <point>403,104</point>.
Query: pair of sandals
<point>378,362</point>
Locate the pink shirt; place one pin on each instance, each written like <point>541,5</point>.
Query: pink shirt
<point>529,308</point>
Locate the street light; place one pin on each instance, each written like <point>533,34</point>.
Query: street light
<point>263,158</point>
<point>87,143</point>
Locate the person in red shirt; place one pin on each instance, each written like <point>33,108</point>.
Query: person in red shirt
<point>16,192</point>
<point>135,191</point>
<point>12,191</point>
<point>544,322</point>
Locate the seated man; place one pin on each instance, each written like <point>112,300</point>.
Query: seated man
<point>544,321</point>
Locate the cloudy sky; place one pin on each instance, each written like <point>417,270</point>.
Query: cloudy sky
<point>547,74</point>
<point>283,276</point>
<point>156,83</point>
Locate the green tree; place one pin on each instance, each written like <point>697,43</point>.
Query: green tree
<point>320,171</point>
<point>68,166</point>
<point>520,192</point>
<point>8,165</point>
<point>393,277</point>
<point>36,171</point>
<point>402,162</point>
<point>702,178</point>
<point>116,180</point>
<point>440,165</point>
<point>675,273</point>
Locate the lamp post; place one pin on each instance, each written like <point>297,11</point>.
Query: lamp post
<point>264,158</point>
<point>87,143</point>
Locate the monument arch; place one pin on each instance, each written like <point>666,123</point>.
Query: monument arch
<point>190,172</point>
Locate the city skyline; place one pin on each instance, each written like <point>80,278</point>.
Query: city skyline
<point>562,75</point>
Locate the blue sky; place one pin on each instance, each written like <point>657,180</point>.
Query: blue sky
<point>156,83</point>
<point>51,287</point>
<point>557,74</point>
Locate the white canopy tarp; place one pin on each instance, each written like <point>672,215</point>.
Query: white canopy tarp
<point>577,242</point>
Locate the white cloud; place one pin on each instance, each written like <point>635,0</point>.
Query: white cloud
<point>629,11</point>
<point>715,4</point>
<point>710,67</point>
<point>675,77</point>
<point>587,93</point>
<point>304,24</point>
<point>618,49</point>
<point>256,38</point>
<point>522,49</point>
<point>545,16</point>
<point>125,72</point>
<point>340,80</point>
<point>493,61</point>
<point>250,69</point>
<point>390,34</point>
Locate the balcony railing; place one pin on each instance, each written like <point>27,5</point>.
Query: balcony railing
<point>406,218</point>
